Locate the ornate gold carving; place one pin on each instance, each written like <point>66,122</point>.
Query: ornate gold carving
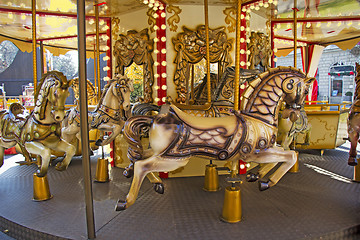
<point>151,20</point>
<point>229,20</point>
<point>260,51</point>
<point>174,18</point>
<point>191,49</point>
<point>136,47</point>
<point>115,28</point>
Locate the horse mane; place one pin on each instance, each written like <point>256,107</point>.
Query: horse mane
<point>43,88</point>
<point>357,82</point>
<point>266,76</point>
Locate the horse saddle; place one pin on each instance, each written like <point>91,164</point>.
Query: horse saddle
<point>228,123</point>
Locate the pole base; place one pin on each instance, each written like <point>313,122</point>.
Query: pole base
<point>295,168</point>
<point>102,170</point>
<point>232,211</point>
<point>211,183</point>
<point>41,188</point>
<point>356,177</point>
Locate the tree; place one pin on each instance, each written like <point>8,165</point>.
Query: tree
<point>8,52</point>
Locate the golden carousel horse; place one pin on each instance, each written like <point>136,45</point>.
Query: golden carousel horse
<point>249,135</point>
<point>109,114</point>
<point>292,122</point>
<point>354,121</point>
<point>40,132</point>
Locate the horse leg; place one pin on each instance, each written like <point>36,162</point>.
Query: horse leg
<point>263,170</point>
<point>275,155</point>
<point>143,167</point>
<point>69,150</point>
<point>45,154</point>
<point>2,151</point>
<point>156,181</point>
<point>354,136</point>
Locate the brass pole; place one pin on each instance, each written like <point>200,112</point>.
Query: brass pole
<point>95,70</point>
<point>295,32</point>
<point>237,56</point>
<point>84,126</point>
<point>33,11</point>
<point>97,79</point>
<point>42,58</point>
<point>206,10</point>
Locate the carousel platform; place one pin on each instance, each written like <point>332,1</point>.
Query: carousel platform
<point>319,202</point>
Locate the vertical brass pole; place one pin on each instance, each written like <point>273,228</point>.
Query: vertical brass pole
<point>206,10</point>
<point>295,33</point>
<point>237,56</point>
<point>42,59</point>
<point>95,71</point>
<point>84,127</point>
<point>33,11</point>
<point>97,80</point>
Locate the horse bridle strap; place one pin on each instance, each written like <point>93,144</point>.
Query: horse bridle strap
<point>40,131</point>
<point>112,113</point>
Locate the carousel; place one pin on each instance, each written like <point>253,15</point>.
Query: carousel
<point>191,129</point>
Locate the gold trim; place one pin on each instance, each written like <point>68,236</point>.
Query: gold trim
<point>229,20</point>
<point>175,18</point>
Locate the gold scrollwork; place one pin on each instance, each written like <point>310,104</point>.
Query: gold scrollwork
<point>136,47</point>
<point>174,18</point>
<point>229,20</point>
<point>115,22</point>
<point>260,51</point>
<point>151,20</point>
<point>190,46</point>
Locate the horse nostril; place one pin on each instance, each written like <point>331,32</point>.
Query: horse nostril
<point>57,118</point>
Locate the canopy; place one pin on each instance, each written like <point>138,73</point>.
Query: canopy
<point>321,22</point>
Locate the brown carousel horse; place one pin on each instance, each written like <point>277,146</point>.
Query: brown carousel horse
<point>249,135</point>
<point>109,114</point>
<point>40,132</point>
<point>354,121</point>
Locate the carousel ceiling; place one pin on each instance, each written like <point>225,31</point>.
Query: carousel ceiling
<point>319,21</point>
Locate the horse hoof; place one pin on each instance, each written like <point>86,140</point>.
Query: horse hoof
<point>352,161</point>
<point>40,174</point>
<point>60,167</point>
<point>252,177</point>
<point>98,142</point>
<point>264,185</point>
<point>159,188</point>
<point>128,173</point>
<point>120,206</point>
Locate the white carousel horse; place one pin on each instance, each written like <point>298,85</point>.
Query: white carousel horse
<point>249,135</point>
<point>354,121</point>
<point>109,114</point>
<point>40,132</point>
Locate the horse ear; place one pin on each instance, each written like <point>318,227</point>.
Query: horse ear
<point>309,80</point>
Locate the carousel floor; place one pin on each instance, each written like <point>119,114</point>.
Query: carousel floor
<point>319,202</point>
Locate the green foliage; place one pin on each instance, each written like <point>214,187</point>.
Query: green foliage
<point>65,64</point>
<point>8,52</point>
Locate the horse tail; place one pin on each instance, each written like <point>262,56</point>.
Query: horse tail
<point>132,131</point>
<point>144,109</point>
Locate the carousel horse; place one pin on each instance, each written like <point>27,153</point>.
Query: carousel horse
<point>249,135</point>
<point>40,132</point>
<point>292,122</point>
<point>109,114</point>
<point>354,121</point>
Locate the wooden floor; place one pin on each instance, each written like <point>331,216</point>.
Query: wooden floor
<point>320,201</point>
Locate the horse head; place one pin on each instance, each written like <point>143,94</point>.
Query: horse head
<point>296,89</point>
<point>122,90</point>
<point>53,90</point>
